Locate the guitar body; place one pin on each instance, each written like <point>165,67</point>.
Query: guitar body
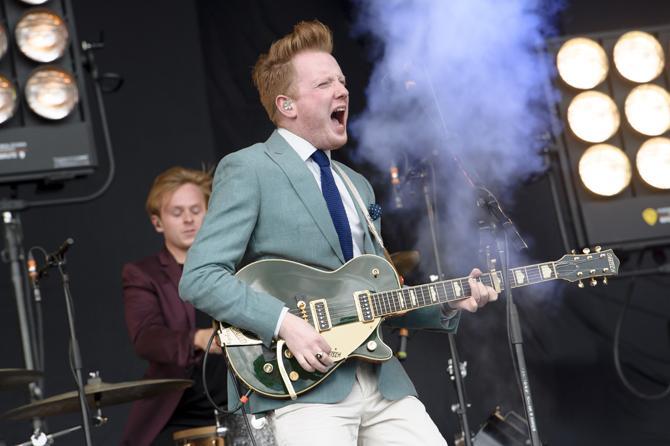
<point>318,293</point>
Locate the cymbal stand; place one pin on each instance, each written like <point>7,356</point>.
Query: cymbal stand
<point>59,262</point>
<point>40,438</point>
<point>456,368</point>
<point>14,255</point>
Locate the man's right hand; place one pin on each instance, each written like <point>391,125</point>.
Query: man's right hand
<point>201,339</point>
<point>305,344</point>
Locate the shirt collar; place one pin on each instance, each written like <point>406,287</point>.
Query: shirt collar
<point>303,148</point>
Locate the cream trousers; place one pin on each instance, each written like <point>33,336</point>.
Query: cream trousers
<point>363,418</point>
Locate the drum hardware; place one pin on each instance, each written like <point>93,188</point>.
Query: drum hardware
<point>503,430</point>
<point>199,436</point>
<point>40,438</point>
<point>405,261</point>
<point>17,377</point>
<point>98,394</point>
<point>221,430</point>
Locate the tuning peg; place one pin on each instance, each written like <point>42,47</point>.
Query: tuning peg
<point>586,250</point>
<point>580,284</point>
<point>605,281</point>
<point>593,282</point>
<point>574,251</point>
<point>599,248</point>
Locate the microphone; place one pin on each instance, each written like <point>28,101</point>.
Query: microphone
<point>32,268</point>
<point>402,351</point>
<point>60,252</point>
<point>395,183</point>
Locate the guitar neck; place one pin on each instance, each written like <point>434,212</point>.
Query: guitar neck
<point>410,298</point>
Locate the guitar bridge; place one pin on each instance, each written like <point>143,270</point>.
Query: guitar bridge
<point>320,314</point>
<point>362,301</point>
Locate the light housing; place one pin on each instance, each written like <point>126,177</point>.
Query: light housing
<point>51,92</point>
<point>41,35</point>
<point>653,162</point>
<point>8,99</point>
<point>638,56</point>
<point>593,116</point>
<point>605,170</point>
<point>648,109</point>
<point>582,63</point>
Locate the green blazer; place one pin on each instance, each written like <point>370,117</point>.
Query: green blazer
<point>266,204</point>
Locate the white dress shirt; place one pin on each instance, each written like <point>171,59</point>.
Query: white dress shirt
<point>304,149</point>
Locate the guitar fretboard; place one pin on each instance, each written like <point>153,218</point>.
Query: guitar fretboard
<point>410,298</point>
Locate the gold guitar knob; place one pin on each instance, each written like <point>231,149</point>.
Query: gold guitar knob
<point>268,368</point>
<point>288,354</point>
<point>293,376</point>
<point>371,346</point>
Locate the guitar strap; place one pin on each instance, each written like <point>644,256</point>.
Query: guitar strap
<point>282,370</point>
<point>364,211</point>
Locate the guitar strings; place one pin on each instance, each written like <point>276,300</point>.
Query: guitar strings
<point>534,276</point>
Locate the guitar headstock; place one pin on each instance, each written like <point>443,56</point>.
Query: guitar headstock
<point>587,265</point>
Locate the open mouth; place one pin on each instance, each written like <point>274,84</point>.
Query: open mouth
<point>338,115</point>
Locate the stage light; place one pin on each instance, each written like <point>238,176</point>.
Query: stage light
<point>653,162</point>
<point>613,141</point>
<point>41,35</point>
<point>34,2</point>
<point>3,41</point>
<point>605,170</point>
<point>593,116</point>
<point>647,108</point>
<point>638,56</point>
<point>582,63</point>
<point>51,93</point>
<point>7,99</point>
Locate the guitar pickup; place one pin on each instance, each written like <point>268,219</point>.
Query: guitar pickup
<point>320,315</point>
<point>363,307</point>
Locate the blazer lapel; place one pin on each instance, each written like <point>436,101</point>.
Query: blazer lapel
<point>368,242</point>
<point>303,183</point>
<point>173,271</point>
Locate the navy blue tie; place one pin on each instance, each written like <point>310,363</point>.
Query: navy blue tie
<point>335,206</point>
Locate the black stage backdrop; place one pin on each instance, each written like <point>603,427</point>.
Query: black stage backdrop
<point>188,99</point>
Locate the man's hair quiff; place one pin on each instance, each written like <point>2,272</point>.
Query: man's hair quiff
<point>171,180</point>
<point>273,72</point>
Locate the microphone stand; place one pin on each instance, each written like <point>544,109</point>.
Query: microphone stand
<point>455,370</point>
<point>503,229</point>
<point>30,342</point>
<point>58,260</point>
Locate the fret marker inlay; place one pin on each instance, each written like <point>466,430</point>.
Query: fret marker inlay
<point>520,276</point>
<point>457,288</point>
<point>546,272</point>
<point>401,298</point>
<point>433,294</point>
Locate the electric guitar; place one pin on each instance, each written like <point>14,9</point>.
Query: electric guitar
<point>346,307</point>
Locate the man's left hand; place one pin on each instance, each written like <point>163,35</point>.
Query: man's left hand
<point>480,296</point>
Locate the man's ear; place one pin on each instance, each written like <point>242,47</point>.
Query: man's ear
<point>285,106</point>
<point>156,221</point>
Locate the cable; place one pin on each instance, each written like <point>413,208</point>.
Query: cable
<point>242,400</point>
<point>616,342</point>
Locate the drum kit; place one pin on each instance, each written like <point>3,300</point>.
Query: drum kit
<point>100,394</point>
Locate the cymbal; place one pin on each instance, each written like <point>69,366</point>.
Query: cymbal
<point>97,394</point>
<point>405,261</point>
<point>17,377</point>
